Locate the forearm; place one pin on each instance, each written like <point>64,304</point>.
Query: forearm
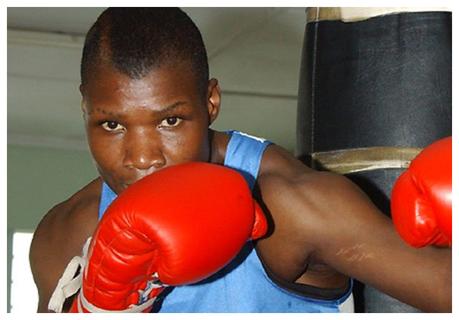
<point>432,282</point>
<point>419,277</point>
<point>422,280</point>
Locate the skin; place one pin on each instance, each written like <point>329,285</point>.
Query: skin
<point>323,227</point>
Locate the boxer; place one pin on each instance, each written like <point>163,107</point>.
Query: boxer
<point>148,104</point>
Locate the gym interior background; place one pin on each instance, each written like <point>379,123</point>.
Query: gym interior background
<point>255,53</point>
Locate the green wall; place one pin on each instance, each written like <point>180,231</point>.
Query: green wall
<point>39,178</point>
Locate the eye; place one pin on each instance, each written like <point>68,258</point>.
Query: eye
<point>171,122</point>
<point>112,126</point>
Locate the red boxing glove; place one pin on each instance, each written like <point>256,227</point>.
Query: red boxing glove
<point>176,226</point>
<point>421,197</point>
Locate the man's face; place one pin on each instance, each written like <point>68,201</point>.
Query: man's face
<point>135,127</point>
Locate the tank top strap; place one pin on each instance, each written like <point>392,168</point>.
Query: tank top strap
<point>244,153</point>
<point>106,198</point>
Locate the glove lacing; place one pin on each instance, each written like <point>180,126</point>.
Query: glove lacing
<point>145,303</point>
<point>68,284</point>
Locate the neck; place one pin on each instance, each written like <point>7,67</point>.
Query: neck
<point>218,144</point>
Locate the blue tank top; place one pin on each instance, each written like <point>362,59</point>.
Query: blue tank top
<point>243,285</point>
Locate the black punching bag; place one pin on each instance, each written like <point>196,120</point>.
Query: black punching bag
<point>373,92</point>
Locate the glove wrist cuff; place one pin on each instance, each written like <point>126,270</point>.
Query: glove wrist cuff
<point>84,305</point>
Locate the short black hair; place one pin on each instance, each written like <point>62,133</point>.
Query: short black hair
<point>137,40</point>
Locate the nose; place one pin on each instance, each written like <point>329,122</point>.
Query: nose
<point>143,152</point>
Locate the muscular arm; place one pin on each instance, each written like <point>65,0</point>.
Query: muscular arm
<point>327,217</point>
<point>58,238</point>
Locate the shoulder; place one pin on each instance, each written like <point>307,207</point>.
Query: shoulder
<point>306,200</point>
<point>60,236</point>
<point>281,174</point>
<point>72,215</point>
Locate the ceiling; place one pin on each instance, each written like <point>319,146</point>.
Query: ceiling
<point>254,52</point>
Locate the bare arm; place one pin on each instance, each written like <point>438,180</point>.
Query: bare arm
<point>346,231</point>
<point>46,260</point>
<point>58,238</point>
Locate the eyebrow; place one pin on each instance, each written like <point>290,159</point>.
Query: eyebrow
<point>169,108</point>
<point>161,111</point>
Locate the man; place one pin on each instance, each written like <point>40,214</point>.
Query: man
<point>148,104</point>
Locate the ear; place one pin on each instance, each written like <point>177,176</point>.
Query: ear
<point>213,99</point>
<point>83,101</point>
<point>83,108</point>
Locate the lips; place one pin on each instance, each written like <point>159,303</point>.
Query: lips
<point>131,180</point>
<point>127,184</point>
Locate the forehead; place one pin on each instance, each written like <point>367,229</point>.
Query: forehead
<point>106,85</point>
